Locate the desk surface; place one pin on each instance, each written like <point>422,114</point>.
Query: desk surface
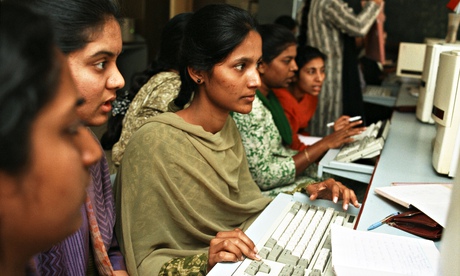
<point>406,157</point>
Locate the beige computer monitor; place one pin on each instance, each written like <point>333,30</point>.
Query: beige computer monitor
<point>411,57</point>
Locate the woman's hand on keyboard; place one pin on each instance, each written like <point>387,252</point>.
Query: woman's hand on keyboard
<point>231,246</point>
<point>342,136</point>
<point>333,190</point>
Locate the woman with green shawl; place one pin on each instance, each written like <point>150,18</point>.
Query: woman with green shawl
<point>266,132</point>
<point>184,193</point>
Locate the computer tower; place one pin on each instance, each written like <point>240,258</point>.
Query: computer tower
<point>428,81</point>
<point>446,114</point>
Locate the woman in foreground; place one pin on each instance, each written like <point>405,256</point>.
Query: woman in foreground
<point>46,151</point>
<point>89,34</point>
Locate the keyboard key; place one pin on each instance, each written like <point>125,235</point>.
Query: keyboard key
<point>275,253</point>
<point>315,272</point>
<point>253,268</point>
<point>287,270</point>
<point>286,257</point>
<point>322,260</point>
<point>264,268</point>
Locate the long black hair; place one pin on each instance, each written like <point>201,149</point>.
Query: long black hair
<point>29,76</point>
<point>212,33</point>
<point>75,21</point>
<point>275,39</point>
<point>167,57</point>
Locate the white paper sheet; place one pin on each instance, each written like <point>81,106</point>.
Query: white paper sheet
<point>369,253</point>
<point>309,140</point>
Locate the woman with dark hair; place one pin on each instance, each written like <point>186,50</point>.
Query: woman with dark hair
<point>89,34</point>
<point>322,25</point>
<point>299,100</point>
<point>265,131</point>
<point>46,151</point>
<point>155,88</point>
<point>183,188</point>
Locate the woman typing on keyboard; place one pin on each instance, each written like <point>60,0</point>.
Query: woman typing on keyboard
<point>266,133</point>
<point>183,189</point>
<point>300,99</point>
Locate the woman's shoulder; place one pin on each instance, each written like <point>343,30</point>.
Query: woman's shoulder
<point>259,111</point>
<point>165,76</point>
<point>281,92</point>
<point>163,82</point>
<point>284,96</point>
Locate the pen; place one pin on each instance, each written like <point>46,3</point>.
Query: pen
<point>352,119</point>
<point>379,223</point>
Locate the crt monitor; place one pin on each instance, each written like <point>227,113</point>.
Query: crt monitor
<point>428,81</point>
<point>410,60</point>
<point>446,114</point>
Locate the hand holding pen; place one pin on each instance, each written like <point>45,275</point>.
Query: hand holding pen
<point>379,223</point>
<point>343,121</point>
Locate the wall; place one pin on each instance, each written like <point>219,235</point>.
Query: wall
<point>413,20</point>
<point>407,20</point>
<point>150,18</point>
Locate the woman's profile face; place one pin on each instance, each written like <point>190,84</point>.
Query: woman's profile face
<point>281,70</point>
<point>311,77</point>
<point>232,84</point>
<point>95,73</point>
<point>44,202</point>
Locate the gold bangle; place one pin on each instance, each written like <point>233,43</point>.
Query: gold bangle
<point>307,155</point>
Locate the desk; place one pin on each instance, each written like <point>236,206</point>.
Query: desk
<point>407,96</point>
<point>406,157</point>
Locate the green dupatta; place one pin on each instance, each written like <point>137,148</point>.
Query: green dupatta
<point>281,122</point>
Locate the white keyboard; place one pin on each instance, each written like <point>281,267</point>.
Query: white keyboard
<point>298,244</point>
<point>368,144</point>
<point>375,90</point>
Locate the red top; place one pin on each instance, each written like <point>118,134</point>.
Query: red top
<point>297,113</point>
